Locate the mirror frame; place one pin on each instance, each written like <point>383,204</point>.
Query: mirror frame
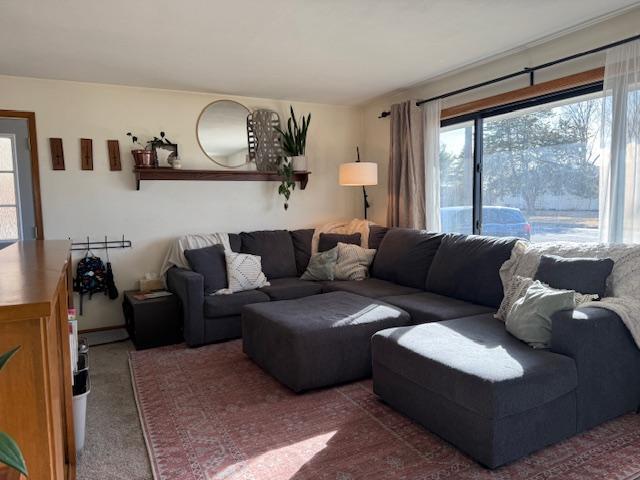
<point>198,136</point>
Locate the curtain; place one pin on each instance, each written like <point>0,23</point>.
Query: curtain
<point>620,159</point>
<point>406,179</point>
<point>432,164</point>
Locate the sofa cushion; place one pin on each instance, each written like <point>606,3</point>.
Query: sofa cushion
<point>211,264</point>
<point>369,287</point>
<point>584,275</point>
<point>322,266</point>
<point>235,242</point>
<point>376,234</point>
<point>405,256</point>
<point>430,307</point>
<point>327,241</point>
<point>467,267</point>
<point>353,262</point>
<point>226,305</point>
<point>302,247</point>
<point>276,249</point>
<point>475,363</point>
<point>290,288</point>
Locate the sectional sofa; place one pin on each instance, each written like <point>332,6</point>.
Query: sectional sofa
<point>446,362</point>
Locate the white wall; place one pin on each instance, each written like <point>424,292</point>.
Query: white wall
<point>95,203</point>
<point>376,131</point>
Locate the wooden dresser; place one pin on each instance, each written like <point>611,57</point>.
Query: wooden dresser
<point>35,386</point>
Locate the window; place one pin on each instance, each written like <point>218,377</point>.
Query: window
<point>540,170</point>
<point>9,226</point>
<point>456,178</point>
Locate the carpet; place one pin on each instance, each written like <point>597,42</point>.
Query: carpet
<point>211,413</point>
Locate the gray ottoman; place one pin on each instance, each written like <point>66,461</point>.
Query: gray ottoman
<point>316,341</point>
<point>470,382</point>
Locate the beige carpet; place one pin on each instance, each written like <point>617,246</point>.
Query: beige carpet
<point>114,446</point>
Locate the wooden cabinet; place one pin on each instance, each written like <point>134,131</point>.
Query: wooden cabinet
<point>35,386</point>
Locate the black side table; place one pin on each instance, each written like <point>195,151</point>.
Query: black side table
<point>154,322</point>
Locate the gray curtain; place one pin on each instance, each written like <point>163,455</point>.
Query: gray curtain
<point>406,205</point>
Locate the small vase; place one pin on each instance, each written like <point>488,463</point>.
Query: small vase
<point>299,163</point>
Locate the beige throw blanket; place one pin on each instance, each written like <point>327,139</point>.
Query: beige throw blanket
<point>623,285</point>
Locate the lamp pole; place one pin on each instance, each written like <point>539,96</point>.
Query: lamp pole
<point>364,190</point>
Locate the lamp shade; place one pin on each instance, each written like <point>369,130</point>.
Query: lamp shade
<point>358,174</point>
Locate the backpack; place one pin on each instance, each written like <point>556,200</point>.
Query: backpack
<point>90,277</point>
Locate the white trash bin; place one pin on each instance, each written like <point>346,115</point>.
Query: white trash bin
<point>81,389</point>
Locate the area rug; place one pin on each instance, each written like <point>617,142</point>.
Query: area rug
<point>211,413</point>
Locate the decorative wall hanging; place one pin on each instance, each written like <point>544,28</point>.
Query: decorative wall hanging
<point>264,140</point>
<point>113,147</point>
<point>57,153</point>
<point>86,154</point>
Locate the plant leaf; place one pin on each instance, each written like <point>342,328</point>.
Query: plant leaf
<point>11,455</point>
<point>5,357</point>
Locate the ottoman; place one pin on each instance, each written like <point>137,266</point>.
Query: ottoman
<point>473,384</point>
<point>316,341</point>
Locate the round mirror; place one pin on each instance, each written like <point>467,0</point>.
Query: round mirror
<point>222,133</point>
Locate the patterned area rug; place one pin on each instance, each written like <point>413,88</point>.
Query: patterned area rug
<point>211,413</point>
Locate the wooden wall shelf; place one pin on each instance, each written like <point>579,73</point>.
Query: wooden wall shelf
<point>167,173</point>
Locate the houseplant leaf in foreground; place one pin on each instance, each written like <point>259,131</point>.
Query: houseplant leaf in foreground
<point>4,358</point>
<point>10,454</point>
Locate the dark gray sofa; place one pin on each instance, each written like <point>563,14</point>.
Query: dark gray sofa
<point>454,368</point>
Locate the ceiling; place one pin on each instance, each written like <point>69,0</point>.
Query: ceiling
<point>329,51</point>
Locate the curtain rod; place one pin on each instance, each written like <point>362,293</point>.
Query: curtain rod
<point>525,71</point>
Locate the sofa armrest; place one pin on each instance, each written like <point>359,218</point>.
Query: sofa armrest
<point>189,287</point>
<point>607,360</point>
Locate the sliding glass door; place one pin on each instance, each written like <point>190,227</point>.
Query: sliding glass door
<point>538,175</point>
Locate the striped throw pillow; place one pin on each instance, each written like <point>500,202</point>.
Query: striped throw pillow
<point>244,272</point>
<point>353,262</point>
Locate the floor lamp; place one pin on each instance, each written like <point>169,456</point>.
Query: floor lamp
<point>359,174</point>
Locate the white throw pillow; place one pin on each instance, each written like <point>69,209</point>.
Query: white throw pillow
<point>518,287</point>
<point>353,262</point>
<point>244,272</point>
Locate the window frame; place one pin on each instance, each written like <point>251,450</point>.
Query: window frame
<point>16,189</point>
<point>478,118</point>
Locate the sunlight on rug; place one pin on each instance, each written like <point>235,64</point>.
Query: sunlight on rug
<point>211,413</point>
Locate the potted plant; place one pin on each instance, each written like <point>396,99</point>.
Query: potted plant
<point>294,141</point>
<point>12,464</point>
<point>142,157</point>
<point>287,185</point>
<point>146,156</point>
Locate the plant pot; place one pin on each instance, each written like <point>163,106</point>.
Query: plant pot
<point>144,158</point>
<point>299,163</point>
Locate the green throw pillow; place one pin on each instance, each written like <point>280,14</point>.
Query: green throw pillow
<point>530,316</point>
<point>321,266</point>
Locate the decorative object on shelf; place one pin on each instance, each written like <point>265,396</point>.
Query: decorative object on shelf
<point>177,164</point>
<point>142,157</point>
<point>221,130</point>
<point>265,148</point>
<point>294,140</point>
<point>288,184</point>
<point>359,174</point>
<point>86,154</point>
<point>113,147</point>
<point>57,153</point>
<point>163,150</point>
<point>10,454</point>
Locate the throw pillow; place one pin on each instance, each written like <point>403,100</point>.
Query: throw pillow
<point>302,240</point>
<point>244,272</point>
<point>353,262</point>
<point>517,289</point>
<point>321,266</point>
<point>376,234</point>
<point>587,275</point>
<point>209,262</point>
<point>530,316</point>
<point>327,241</point>
<point>514,291</point>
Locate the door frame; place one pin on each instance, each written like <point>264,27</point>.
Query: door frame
<point>35,169</point>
